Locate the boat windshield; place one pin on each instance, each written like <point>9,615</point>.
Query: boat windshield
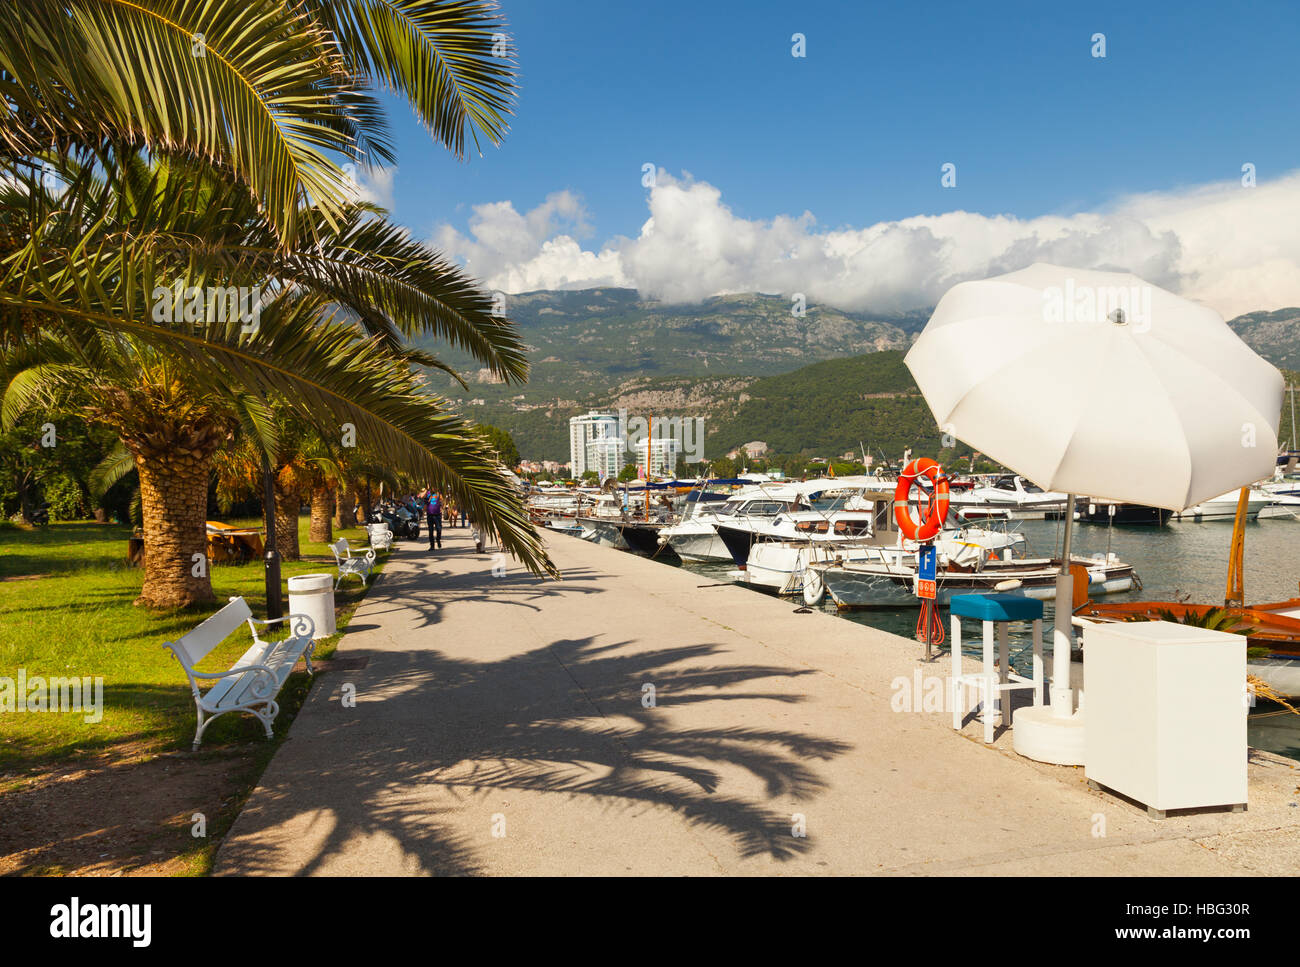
<point>762,508</point>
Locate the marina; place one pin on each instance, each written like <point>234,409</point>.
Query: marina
<point>868,578</point>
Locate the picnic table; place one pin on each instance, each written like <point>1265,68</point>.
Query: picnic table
<point>228,544</point>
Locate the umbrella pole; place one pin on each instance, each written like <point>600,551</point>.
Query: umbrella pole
<point>1062,696</point>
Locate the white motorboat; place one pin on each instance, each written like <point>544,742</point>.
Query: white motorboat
<point>859,507</point>
<point>1224,507</point>
<point>1012,493</point>
<point>694,537</point>
<point>782,566</point>
<point>870,584</point>
<point>1283,493</point>
<point>697,538</point>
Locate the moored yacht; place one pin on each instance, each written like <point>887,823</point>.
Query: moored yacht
<point>1019,497</point>
<point>1224,507</point>
<point>694,538</point>
<point>870,584</point>
<point>783,565</point>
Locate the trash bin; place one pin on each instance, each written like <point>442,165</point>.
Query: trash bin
<point>313,595</point>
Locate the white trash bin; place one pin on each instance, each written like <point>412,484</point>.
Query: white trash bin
<point>313,595</point>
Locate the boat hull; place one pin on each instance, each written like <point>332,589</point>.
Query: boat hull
<point>643,538</point>
<point>1128,515</point>
<point>855,587</point>
<point>699,547</point>
<point>602,532</point>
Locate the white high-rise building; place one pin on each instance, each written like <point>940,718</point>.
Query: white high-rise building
<point>588,429</point>
<point>605,456</point>
<point>663,456</point>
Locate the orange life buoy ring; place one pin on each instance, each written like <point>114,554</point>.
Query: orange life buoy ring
<point>936,502</point>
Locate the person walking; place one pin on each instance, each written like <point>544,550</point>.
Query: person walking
<point>433,514</point>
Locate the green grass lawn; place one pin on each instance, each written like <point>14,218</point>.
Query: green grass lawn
<point>65,610</point>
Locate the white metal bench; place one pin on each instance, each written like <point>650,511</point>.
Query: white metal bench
<point>360,566</point>
<point>253,682</point>
<point>381,538</point>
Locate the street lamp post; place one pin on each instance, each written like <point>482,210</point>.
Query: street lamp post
<point>271,559</point>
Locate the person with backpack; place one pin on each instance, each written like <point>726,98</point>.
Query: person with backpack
<point>433,513</point>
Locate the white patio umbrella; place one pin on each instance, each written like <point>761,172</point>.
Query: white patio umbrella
<point>1102,384</point>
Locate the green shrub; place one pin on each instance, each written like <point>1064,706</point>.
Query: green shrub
<point>65,498</point>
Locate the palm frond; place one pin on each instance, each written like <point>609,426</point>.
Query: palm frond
<point>246,85</point>
<point>115,466</point>
<point>322,368</point>
<point>452,60</point>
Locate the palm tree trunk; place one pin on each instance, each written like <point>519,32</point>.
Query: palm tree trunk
<point>322,510</point>
<point>287,502</point>
<point>174,498</point>
<point>346,515</point>
<point>365,498</point>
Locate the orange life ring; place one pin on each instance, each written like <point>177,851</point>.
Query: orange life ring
<point>936,503</point>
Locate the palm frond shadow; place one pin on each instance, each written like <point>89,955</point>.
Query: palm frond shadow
<point>427,590</point>
<point>475,729</point>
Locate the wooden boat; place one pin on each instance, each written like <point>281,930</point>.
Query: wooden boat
<point>1275,625</point>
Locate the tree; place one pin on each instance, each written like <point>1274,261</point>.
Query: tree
<point>360,376</point>
<point>272,91</point>
<point>223,173</point>
<point>724,467</point>
<point>501,443</point>
<point>628,472</point>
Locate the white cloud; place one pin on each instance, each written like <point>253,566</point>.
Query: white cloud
<point>1234,248</point>
<point>374,185</point>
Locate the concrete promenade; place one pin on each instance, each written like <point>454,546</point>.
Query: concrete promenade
<point>504,725</point>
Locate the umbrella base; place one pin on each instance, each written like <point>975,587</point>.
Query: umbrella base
<point>1039,735</point>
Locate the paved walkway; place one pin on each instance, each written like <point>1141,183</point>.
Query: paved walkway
<point>504,725</point>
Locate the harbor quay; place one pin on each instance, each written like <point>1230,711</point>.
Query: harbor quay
<point>634,718</point>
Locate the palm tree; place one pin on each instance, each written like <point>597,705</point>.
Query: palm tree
<point>169,432</point>
<point>276,93</point>
<point>230,172</point>
<point>303,465</point>
<point>152,220</point>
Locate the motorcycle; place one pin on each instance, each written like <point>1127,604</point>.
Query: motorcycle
<point>399,520</point>
<point>410,523</point>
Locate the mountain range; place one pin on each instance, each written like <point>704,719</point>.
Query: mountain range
<point>817,382</point>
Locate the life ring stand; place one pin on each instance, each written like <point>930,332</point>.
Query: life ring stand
<point>935,511</point>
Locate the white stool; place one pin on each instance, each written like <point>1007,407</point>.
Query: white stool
<point>995,611</point>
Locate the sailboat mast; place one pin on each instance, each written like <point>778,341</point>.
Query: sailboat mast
<point>1295,444</point>
<point>649,445</point>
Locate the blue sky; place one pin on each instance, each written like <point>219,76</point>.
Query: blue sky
<point>856,131</point>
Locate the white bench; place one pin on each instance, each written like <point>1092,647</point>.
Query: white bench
<point>360,566</point>
<point>381,538</point>
<point>253,682</point>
